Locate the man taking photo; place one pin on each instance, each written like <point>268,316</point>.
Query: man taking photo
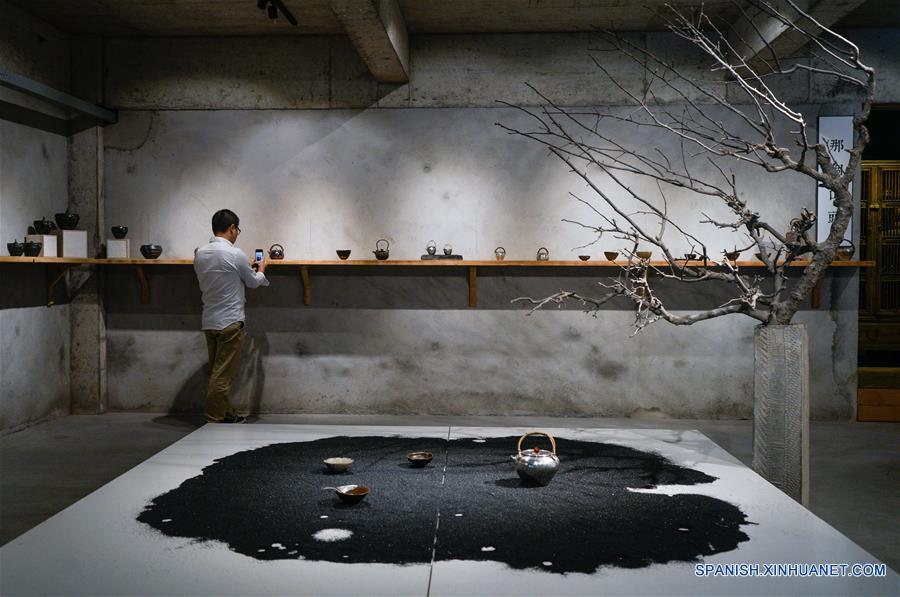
<point>223,271</point>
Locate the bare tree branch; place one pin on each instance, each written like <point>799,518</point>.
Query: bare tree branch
<point>753,133</point>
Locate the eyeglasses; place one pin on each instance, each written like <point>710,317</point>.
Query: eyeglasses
<point>238,228</point>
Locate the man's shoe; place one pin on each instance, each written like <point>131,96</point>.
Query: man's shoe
<point>227,419</point>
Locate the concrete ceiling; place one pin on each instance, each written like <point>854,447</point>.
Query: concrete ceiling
<point>241,17</point>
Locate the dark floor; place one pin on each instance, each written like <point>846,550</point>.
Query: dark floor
<point>854,472</point>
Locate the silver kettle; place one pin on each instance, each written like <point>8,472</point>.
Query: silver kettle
<point>535,465</point>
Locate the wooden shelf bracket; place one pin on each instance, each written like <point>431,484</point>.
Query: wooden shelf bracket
<point>145,284</point>
<point>53,281</point>
<point>307,286</point>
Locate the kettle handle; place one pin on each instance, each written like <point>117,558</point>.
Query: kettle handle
<point>385,242</point>
<point>550,437</point>
<point>277,245</point>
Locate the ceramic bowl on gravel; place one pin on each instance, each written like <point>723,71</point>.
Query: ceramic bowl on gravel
<point>419,459</point>
<point>351,494</point>
<point>338,464</point>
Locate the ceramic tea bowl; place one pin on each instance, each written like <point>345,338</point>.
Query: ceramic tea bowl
<point>66,220</point>
<point>151,251</point>
<point>351,494</point>
<point>338,464</point>
<point>419,459</point>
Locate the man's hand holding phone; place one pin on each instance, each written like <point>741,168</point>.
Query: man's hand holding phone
<point>259,263</point>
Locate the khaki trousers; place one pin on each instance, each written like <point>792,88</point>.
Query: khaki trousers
<point>224,348</point>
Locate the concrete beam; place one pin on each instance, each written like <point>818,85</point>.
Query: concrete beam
<point>378,31</point>
<point>56,97</point>
<point>756,36</point>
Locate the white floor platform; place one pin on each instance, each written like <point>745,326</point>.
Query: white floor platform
<point>98,547</point>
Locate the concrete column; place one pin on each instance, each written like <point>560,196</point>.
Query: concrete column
<point>781,408</point>
<point>87,374</point>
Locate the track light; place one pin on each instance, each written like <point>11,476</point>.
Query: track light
<point>276,8</point>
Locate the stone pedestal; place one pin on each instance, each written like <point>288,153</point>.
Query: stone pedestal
<point>72,243</point>
<point>781,408</point>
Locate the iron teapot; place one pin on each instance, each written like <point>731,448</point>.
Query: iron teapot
<point>66,220</point>
<point>535,465</point>
<point>844,252</point>
<point>431,247</point>
<point>15,248</point>
<point>44,226</point>
<point>543,254</point>
<point>381,249</point>
<point>276,251</point>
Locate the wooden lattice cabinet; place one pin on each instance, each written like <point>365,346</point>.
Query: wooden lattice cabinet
<point>879,301</point>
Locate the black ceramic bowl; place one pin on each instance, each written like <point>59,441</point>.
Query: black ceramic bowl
<point>15,249</point>
<point>66,221</point>
<point>119,231</point>
<point>343,253</point>
<point>43,226</point>
<point>419,459</point>
<point>32,249</point>
<point>151,251</point>
<point>584,257</point>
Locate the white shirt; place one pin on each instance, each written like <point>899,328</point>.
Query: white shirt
<point>223,270</point>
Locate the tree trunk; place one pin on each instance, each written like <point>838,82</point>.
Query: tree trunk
<point>781,408</point>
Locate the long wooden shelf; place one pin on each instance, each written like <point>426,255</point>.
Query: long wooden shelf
<point>472,266</point>
<point>407,263</point>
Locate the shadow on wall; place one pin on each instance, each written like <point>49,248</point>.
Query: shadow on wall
<point>24,285</point>
<point>175,301</point>
<point>247,390</point>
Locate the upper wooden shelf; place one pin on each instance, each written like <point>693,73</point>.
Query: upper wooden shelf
<point>305,267</point>
<point>404,263</point>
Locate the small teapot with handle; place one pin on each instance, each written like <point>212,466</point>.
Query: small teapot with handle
<point>276,251</point>
<point>535,465</point>
<point>845,251</point>
<point>543,254</point>
<point>381,249</point>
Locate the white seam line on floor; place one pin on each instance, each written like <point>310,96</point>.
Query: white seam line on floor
<point>437,522</point>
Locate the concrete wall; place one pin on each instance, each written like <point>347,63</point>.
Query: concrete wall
<point>34,340</point>
<point>289,133</point>
<point>263,127</point>
<point>318,180</point>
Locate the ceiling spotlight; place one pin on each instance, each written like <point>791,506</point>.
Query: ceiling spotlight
<point>275,9</point>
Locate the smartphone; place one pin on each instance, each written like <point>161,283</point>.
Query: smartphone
<point>259,255</point>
